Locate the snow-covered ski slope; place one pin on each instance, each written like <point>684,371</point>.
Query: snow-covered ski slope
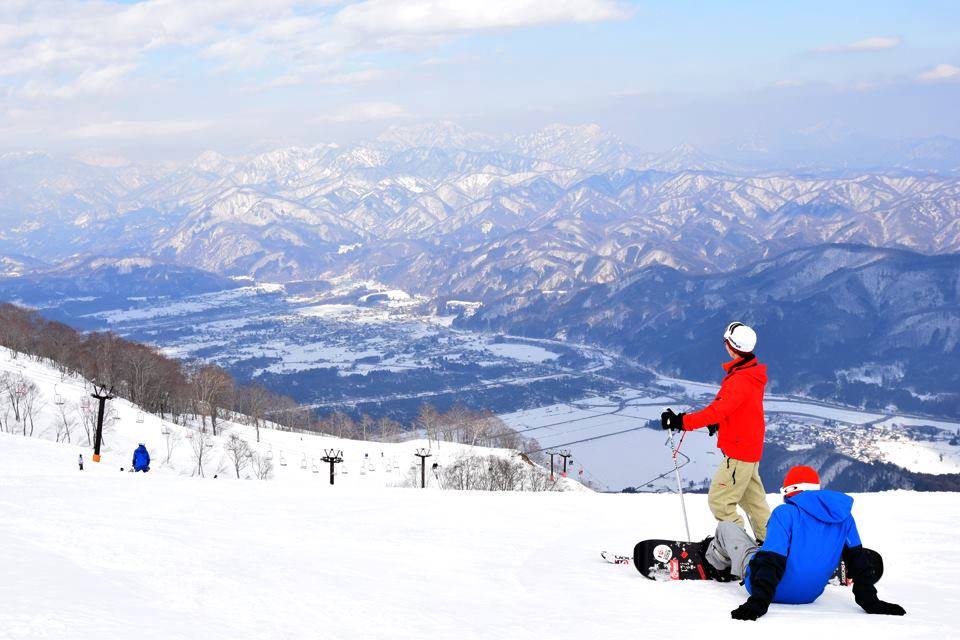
<point>296,457</point>
<point>101,553</point>
<point>104,554</point>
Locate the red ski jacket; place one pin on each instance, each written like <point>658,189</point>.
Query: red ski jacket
<point>738,409</point>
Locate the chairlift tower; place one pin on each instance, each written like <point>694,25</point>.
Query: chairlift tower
<point>332,457</point>
<point>552,454</point>
<point>102,394</point>
<point>423,454</point>
<point>565,454</point>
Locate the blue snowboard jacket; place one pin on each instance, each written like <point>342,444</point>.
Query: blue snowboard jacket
<point>810,530</point>
<point>141,459</point>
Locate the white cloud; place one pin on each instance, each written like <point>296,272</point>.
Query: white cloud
<point>941,72</point>
<point>787,84</point>
<point>875,43</point>
<point>99,81</point>
<point>365,112</point>
<point>442,16</point>
<point>137,128</point>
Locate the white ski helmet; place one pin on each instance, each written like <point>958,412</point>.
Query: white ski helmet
<point>741,337</point>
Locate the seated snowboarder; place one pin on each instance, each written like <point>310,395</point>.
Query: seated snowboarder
<point>738,413</point>
<point>141,459</point>
<point>807,535</point>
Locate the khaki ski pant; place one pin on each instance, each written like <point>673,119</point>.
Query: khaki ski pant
<point>738,483</point>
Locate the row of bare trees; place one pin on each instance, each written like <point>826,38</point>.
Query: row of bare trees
<point>490,473</point>
<point>139,373</point>
<point>181,391</point>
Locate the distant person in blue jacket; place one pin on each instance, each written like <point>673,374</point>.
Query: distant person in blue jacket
<point>806,537</point>
<point>141,459</point>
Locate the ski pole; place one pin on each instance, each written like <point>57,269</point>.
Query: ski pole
<point>676,470</point>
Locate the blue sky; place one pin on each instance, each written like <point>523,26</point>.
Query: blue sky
<point>168,78</point>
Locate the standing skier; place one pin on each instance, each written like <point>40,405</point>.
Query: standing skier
<point>738,413</point>
<point>80,461</point>
<point>809,533</point>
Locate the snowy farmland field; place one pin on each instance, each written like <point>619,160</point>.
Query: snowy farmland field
<point>102,554</point>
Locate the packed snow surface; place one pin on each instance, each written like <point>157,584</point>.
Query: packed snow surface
<point>104,554</point>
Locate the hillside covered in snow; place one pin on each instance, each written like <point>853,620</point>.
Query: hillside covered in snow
<point>106,554</point>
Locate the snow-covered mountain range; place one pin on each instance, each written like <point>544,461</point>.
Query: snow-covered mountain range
<point>441,210</point>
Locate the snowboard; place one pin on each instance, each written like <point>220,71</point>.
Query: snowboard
<point>666,560</point>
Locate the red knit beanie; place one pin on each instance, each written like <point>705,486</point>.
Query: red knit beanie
<point>800,479</point>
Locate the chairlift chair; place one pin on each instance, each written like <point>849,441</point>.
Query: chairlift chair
<point>303,462</point>
<point>270,454</point>
<point>313,467</point>
<point>139,417</point>
<point>166,430</point>
<point>283,461</point>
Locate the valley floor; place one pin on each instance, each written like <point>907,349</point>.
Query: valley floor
<point>104,554</point>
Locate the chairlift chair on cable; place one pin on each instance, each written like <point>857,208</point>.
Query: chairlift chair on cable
<point>303,462</point>
<point>139,417</point>
<point>166,430</point>
<point>270,452</point>
<point>57,398</point>
<point>313,466</point>
<point>283,461</point>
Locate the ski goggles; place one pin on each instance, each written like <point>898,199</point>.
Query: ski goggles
<point>800,486</point>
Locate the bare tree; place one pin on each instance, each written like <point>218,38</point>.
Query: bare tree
<point>32,404</point>
<point>254,401</point>
<point>430,420</point>
<point>389,429</point>
<point>341,425</point>
<point>200,444</point>
<point>88,419</point>
<point>15,387</point>
<point>212,391</point>
<point>239,452</point>
<point>367,426</point>
<point>261,465</point>
<point>65,423</point>
<point>172,438</point>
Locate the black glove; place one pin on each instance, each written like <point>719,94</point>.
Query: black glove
<point>880,607</point>
<point>752,609</point>
<point>862,569</point>
<point>671,420</point>
<point>713,428</point>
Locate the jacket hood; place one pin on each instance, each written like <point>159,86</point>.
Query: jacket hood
<point>823,504</point>
<point>751,368</point>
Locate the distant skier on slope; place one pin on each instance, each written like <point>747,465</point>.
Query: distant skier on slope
<point>737,411</point>
<point>141,459</point>
<point>808,534</point>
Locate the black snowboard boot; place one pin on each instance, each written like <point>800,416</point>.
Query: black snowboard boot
<point>720,575</point>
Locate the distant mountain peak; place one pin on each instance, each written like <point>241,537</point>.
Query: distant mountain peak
<point>441,133</point>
